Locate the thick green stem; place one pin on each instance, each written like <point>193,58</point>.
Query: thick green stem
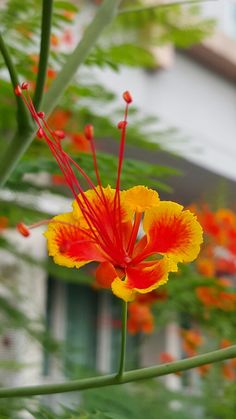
<point>44,51</point>
<point>23,117</point>
<point>123,340</point>
<point>160,6</point>
<point>105,14</point>
<point>130,376</point>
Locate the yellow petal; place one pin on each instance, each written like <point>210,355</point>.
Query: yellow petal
<point>68,244</point>
<point>103,210</point>
<point>140,198</point>
<point>120,289</point>
<point>143,278</point>
<point>173,232</point>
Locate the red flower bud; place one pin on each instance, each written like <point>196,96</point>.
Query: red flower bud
<point>89,131</point>
<point>41,115</point>
<point>23,230</point>
<point>121,124</point>
<point>40,133</point>
<point>18,91</point>
<point>127,97</point>
<point>25,85</point>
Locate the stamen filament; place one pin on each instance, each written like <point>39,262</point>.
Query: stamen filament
<point>108,235</point>
<point>121,157</point>
<point>134,233</point>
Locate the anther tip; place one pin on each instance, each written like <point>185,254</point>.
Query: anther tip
<point>40,133</point>
<point>41,115</point>
<point>127,97</point>
<point>25,85</point>
<point>89,132</point>
<point>23,230</point>
<point>121,124</point>
<point>18,91</point>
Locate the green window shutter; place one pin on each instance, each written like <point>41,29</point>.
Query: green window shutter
<point>81,322</point>
<point>80,327</point>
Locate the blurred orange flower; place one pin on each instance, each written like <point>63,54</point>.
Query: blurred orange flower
<point>217,296</point>
<point>51,73</point>
<point>58,179</point>
<point>204,369</point>
<point>55,41</point>
<point>59,119</point>
<point>206,266</point>
<point>3,223</point>
<point>79,142</point>
<point>192,340</point>
<point>166,357</point>
<point>228,371</point>
<point>225,343</point>
<point>140,318</point>
<point>70,15</point>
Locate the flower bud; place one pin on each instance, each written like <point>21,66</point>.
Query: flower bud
<point>122,124</point>
<point>40,133</point>
<point>89,132</point>
<point>23,230</point>
<point>25,85</point>
<point>18,91</point>
<point>41,115</point>
<point>127,97</point>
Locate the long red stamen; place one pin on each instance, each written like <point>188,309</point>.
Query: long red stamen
<point>24,230</point>
<point>122,126</point>
<point>99,231</point>
<point>89,134</point>
<point>62,161</point>
<point>89,214</point>
<point>134,233</point>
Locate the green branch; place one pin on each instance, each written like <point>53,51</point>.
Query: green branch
<point>130,376</point>
<point>44,51</point>
<point>160,6</point>
<point>123,340</point>
<point>104,16</point>
<point>23,117</point>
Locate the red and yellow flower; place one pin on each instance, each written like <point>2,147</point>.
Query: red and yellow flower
<point>218,296</point>
<point>104,223</point>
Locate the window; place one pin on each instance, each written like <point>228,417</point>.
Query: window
<point>87,322</point>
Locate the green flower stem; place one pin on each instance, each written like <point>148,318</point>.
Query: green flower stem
<point>127,377</point>
<point>123,340</point>
<point>160,6</point>
<point>105,14</point>
<point>23,117</point>
<point>44,51</point>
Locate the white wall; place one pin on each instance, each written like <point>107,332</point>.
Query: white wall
<point>195,100</point>
<point>28,284</point>
<point>224,11</point>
